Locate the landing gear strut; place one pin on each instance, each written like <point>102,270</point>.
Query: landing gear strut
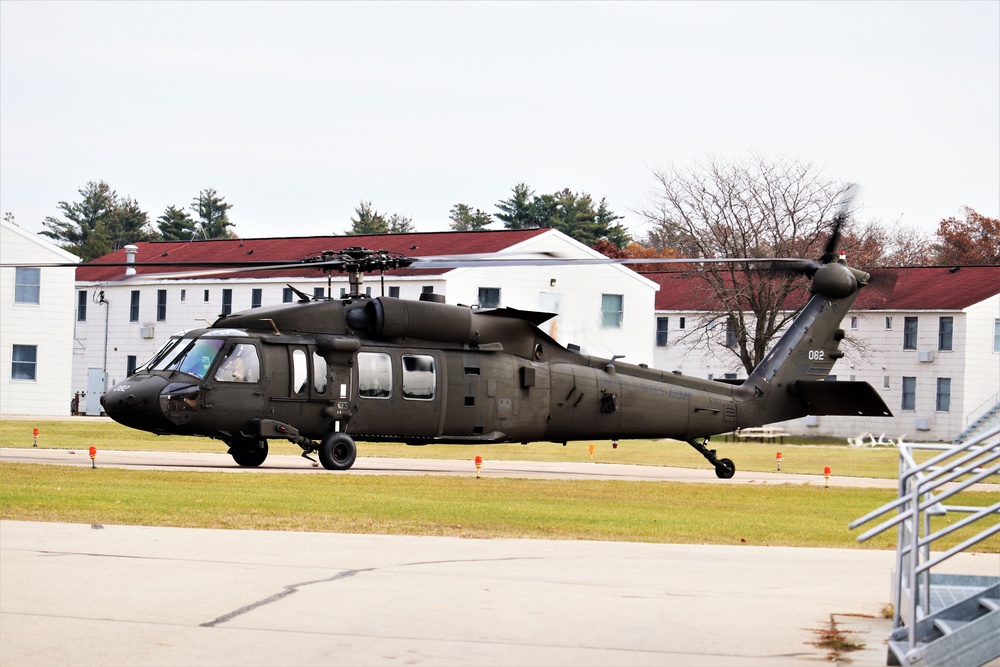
<point>724,468</point>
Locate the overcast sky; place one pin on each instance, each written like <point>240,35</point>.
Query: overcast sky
<point>295,113</point>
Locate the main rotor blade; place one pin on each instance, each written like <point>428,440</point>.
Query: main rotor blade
<point>496,260</point>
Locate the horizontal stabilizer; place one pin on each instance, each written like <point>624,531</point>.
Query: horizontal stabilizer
<point>841,398</point>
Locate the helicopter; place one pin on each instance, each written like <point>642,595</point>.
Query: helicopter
<point>326,373</point>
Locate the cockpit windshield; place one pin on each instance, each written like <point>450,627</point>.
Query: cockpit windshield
<point>187,355</point>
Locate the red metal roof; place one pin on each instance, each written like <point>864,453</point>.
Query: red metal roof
<point>270,250</point>
<point>905,288</point>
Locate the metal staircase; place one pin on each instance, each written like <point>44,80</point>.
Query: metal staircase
<point>942,619</point>
<point>982,419</point>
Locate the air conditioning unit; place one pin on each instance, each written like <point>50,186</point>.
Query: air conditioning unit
<point>925,355</point>
<point>921,424</point>
<point>146,331</point>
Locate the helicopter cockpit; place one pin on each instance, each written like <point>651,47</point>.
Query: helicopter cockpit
<point>171,384</point>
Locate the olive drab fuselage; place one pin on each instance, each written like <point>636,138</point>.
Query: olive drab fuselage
<point>420,372</point>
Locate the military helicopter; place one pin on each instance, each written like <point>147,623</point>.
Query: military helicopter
<point>325,373</point>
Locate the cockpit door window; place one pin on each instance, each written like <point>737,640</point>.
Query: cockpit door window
<point>241,364</point>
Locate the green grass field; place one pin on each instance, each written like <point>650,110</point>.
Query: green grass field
<point>799,457</point>
<point>772,514</point>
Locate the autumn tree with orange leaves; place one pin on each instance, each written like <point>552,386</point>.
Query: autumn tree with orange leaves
<point>974,240</point>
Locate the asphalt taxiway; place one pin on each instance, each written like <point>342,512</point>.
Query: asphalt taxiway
<point>278,463</point>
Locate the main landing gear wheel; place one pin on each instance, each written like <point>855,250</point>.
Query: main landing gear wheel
<point>725,469</point>
<point>249,454</point>
<point>337,451</point>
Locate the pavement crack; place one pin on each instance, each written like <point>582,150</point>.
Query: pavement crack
<point>287,590</point>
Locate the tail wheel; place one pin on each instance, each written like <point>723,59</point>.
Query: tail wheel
<point>725,469</point>
<point>249,453</point>
<point>337,451</point>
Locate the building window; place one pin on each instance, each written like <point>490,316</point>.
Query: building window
<point>23,362</point>
<point>885,381</point>
<point>909,333</point>
<point>256,297</point>
<point>374,375</point>
<point>909,401</point>
<point>996,335</point>
<point>427,289</point>
<point>287,295</point>
<point>161,306</point>
<point>888,322</point>
<point>854,322</point>
<point>130,363</point>
<point>611,310</point>
<point>945,328</point>
<point>681,322</point>
<point>81,306</point>
<point>27,284</point>
<point>318,292</point>
<point>206,296</point>
<point>662,325</point>
<point>943,401</point>
<point>394,291</point>
<point>227,301</point>
<point>730,333</point>
<point>489,297</point>
<point>184,295</point>
<point>343,292</point>
<point>133,307</point>
<point>418,377</point>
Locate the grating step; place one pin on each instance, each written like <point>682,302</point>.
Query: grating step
<point>990,603</point>
<point>947,626</point>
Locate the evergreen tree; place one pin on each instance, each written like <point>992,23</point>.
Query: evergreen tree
<point>213,215</point>
<point>176,225</point>
<point>464,219</point>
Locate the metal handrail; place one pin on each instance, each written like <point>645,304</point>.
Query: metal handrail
<point>982,409</point>
<point>916,503</point>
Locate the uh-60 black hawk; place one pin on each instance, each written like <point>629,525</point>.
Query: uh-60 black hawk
<point>324,373</point>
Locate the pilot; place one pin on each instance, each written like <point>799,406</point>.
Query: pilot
<point>234,369</point>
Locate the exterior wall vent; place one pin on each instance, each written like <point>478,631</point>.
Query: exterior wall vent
<point>921,424</point>
<point>147,331</point>
<point>925,355</point>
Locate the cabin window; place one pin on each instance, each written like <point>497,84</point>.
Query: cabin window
<point>909,333</point>
<point>133,306</point>
<point>612,307</point>
<point>946,326</point>
<point>319,374</point>
<point>199,357</point>
<point>24,360</point>
<point>662,326</point>
<point>241,365</point>
<point>374,375</point>
<point>489,297</point>
<point>943,400</point>
<point>27,284</point>
<point>300,372</point>
<point>81,306</point>
<point>418,377</point>
<point>909,401</point>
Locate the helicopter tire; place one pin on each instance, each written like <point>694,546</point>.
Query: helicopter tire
<point>249,454</point>
<point>725,469</point>
<point>337,451</point>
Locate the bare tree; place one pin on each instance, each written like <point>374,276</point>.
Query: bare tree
<point>752,208</point>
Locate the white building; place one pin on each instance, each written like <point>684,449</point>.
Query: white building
<point>927,339</point>
<point>36,326</point>
<point>605,310</point>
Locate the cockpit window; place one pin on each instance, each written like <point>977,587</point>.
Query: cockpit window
<point>241,365</point>
<point>167,354</point>
<point>198,358</point>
